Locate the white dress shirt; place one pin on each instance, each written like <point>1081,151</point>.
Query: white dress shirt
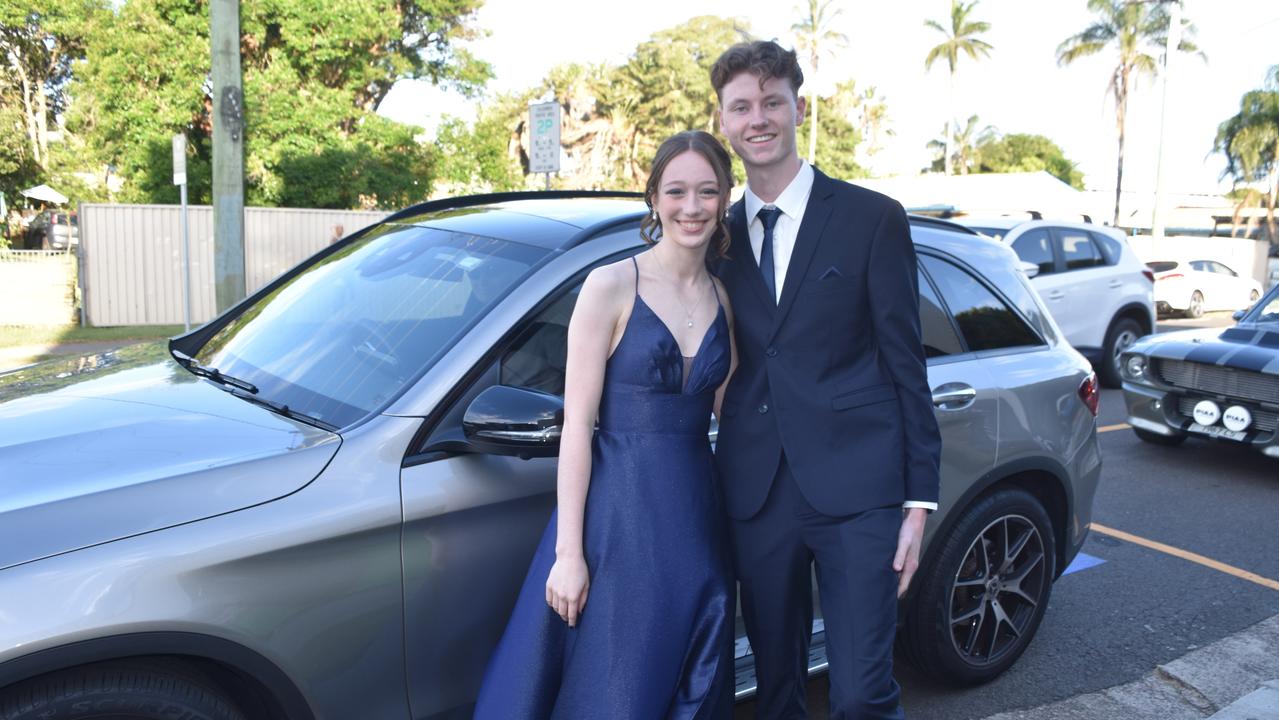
<point>792,202</point>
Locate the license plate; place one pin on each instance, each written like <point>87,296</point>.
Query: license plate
<point>1217,431</point>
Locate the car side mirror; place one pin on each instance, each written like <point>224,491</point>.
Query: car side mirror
<point>1238,315</point>
<point>1029,268</point>
<point>504,420</point>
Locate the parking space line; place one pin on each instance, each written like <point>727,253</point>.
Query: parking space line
<point>1187,555</point>
<point>1112,428</point>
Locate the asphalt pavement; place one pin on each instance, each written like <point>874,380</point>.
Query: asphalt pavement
<point>1171,612</point>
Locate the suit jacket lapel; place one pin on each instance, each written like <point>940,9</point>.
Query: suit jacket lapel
<point>743,257</point>
<point>816,213</point>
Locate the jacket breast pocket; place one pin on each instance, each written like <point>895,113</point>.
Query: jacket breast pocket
<point>832,285</point>
<point>863,396</point>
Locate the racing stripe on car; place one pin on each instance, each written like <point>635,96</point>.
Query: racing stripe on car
<point>1211,354</point>
<point>1173,350</point>
<point>1268,340</point>
<point>1272,368</point>
<point>1250,358</point>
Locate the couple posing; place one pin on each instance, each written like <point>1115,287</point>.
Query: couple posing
<point>805,343</point>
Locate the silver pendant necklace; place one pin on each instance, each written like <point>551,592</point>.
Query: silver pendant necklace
<point>688,314</point>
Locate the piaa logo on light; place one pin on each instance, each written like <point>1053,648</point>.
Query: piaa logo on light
<point>1237,418</point>
<point>1207,412</point>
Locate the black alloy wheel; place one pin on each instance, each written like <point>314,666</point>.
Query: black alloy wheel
<point>985,593</point>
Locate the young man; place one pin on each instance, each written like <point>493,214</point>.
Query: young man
<point>828,449</point>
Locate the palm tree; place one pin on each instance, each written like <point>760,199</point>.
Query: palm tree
<point>964,143</point>
<point>1250,142</point>
<point>961,37</point>
<point>1139,31</point>
<point>814,35</point>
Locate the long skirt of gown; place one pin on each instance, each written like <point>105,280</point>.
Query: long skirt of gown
<point>654,640</point>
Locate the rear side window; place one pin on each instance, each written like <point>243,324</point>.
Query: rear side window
<point>985,321</point>
<point>938,331</point>
<point>1036,247</point>
<point>1110,248</point>
<point>1078,250</point>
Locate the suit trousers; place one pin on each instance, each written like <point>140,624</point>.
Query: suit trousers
<point>774,553</point>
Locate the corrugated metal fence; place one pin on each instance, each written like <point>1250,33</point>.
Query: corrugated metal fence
<point>131,256</point>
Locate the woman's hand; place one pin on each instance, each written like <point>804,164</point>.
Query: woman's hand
<point>567,586</point>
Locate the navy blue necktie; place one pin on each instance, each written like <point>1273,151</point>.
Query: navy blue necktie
<point>768,216</point>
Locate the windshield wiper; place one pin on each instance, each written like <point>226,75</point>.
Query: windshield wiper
<point>212,373</point>
<point>282,409</point>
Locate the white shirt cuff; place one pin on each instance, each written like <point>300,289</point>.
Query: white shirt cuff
<point>929,506</point>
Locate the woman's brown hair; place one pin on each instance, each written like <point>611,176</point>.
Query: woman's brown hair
<point>708,147</point>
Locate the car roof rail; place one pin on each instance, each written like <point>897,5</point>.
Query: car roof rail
<point>940,224</point>
<point>463,201</point>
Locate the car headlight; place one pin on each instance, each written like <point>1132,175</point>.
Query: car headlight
<point>1135,367</point>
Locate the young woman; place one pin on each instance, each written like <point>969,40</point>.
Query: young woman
<point>627,610</point>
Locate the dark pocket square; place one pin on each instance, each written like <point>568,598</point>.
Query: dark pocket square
<point>831,272</point>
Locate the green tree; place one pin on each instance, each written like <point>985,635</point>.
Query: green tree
<point>1139,32</point>
<point>1018,152</point>
<point>961,38</point>
<point>480,157</point>
<point>313,76</point>
<point>964,143</point>
<point>1250,141</point>
<point>40,44</point>
<point>814,36</point>
<point>837,155</point>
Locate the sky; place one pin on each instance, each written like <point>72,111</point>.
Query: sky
<point>1018,89</point>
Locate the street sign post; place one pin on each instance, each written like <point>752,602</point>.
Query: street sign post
<point>544,133</point>
<point>180,179</point>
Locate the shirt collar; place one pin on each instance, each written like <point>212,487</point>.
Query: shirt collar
<point>793,199</point>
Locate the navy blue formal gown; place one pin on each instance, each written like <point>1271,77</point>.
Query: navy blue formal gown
<point>655,638</point>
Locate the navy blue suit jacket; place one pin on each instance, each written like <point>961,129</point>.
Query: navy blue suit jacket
<point>834,374</point>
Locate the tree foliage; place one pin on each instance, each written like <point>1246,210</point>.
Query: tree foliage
<point>961,39</point>
<point>1020,152</point>
<point>1250,142</point>
<point>313,75</point>
<point>1139,32</point>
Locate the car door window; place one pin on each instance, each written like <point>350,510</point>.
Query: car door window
<point>984,319</point>
<point>537,358</point>
<point>1078,250</point>
<point>938,331</point>
<point>1110,248</point>
<point>1035,247</point>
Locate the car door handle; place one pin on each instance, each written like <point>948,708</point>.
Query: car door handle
<point>953,396</point>
<point>1056,295</point>
<point>1116,283</point>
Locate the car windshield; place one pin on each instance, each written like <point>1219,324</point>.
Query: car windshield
<point>1267,310</point>
<point>349,333</point>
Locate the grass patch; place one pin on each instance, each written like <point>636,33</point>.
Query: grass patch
<point>19,336</point>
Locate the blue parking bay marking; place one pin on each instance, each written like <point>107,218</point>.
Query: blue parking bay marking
<point>1082,561</point>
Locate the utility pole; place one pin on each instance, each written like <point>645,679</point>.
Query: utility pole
<point>228,154</point>
<point>1174,41</point>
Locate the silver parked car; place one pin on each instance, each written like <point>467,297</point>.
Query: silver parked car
<point>322,503</point>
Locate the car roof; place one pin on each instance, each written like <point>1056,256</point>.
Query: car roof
<point>560,219</point>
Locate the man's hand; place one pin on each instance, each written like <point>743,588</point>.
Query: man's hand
<point>911,536</point>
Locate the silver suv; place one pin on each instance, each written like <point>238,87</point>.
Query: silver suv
<point>1097,289</point>
<point>322,503</point>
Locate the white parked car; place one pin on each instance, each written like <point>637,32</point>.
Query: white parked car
<point>1197,286</point>
<point>1098,291</point>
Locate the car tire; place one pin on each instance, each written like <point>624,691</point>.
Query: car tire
<point>132,690</point>
<point>1157,439</point>
<point>1121,335</point>
<point>1195,308</point>
<point>937,638</point>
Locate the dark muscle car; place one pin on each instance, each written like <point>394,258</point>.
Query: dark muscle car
<point>1213,383</point>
